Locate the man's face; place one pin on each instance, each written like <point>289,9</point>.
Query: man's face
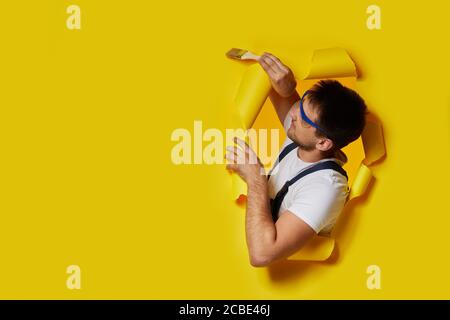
<point>301,132</point>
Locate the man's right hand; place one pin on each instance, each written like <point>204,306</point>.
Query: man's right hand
<point>281,77</point>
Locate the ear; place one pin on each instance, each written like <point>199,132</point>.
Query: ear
<point>324,144</point>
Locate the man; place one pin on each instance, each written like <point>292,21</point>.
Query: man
<point>327,118</point>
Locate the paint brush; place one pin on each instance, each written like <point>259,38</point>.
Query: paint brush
<point>241,54</point>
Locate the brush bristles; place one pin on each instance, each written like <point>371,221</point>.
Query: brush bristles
<point>235,53</point>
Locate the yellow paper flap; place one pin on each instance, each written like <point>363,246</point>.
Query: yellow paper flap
<point>373,141</point>
<point>361,182</point>
<point>331,63</point>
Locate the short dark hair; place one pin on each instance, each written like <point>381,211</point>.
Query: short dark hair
<point>341,111</point>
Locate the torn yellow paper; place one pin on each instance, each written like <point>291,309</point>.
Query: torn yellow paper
<point>255,87</point>
<point>373,140</point>
<point>361,182</point>
<point>331,63</point>
<point>253,92</point>
<point>373,143</point>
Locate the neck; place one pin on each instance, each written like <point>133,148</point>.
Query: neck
<point>313,155</point>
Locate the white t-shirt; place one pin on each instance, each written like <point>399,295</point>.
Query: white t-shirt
<point>317,198</point>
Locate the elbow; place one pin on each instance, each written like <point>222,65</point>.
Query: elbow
<point>259,261</point>
<point>262,256</point>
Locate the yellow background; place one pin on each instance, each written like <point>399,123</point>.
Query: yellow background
<point>86,175</point>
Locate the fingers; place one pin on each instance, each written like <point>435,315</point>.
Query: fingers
<point>280,75</point>
<point>266,64</point>
<point>235,155</point>
<point>241,154</point>
<point>269,65</point>
<point>232,150</point>
<point>242,144</point>
<point>275,63</point>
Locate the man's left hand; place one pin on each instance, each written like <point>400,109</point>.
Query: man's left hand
<point>244,161</point>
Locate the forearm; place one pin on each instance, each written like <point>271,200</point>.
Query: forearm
<point>260,228</point>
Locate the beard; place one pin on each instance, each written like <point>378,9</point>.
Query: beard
<point>306,147</point>
<point>303,146</point>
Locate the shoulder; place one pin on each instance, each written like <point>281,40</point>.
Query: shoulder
<point>318,199</point>
<point>324,183</point>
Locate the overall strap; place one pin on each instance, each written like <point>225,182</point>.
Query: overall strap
<point>276,202</point>
<point>282,154</point>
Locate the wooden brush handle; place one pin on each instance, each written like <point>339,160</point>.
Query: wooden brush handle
<point>249,56</point>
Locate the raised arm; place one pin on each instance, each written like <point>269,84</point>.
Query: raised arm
<point>283,93</point>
